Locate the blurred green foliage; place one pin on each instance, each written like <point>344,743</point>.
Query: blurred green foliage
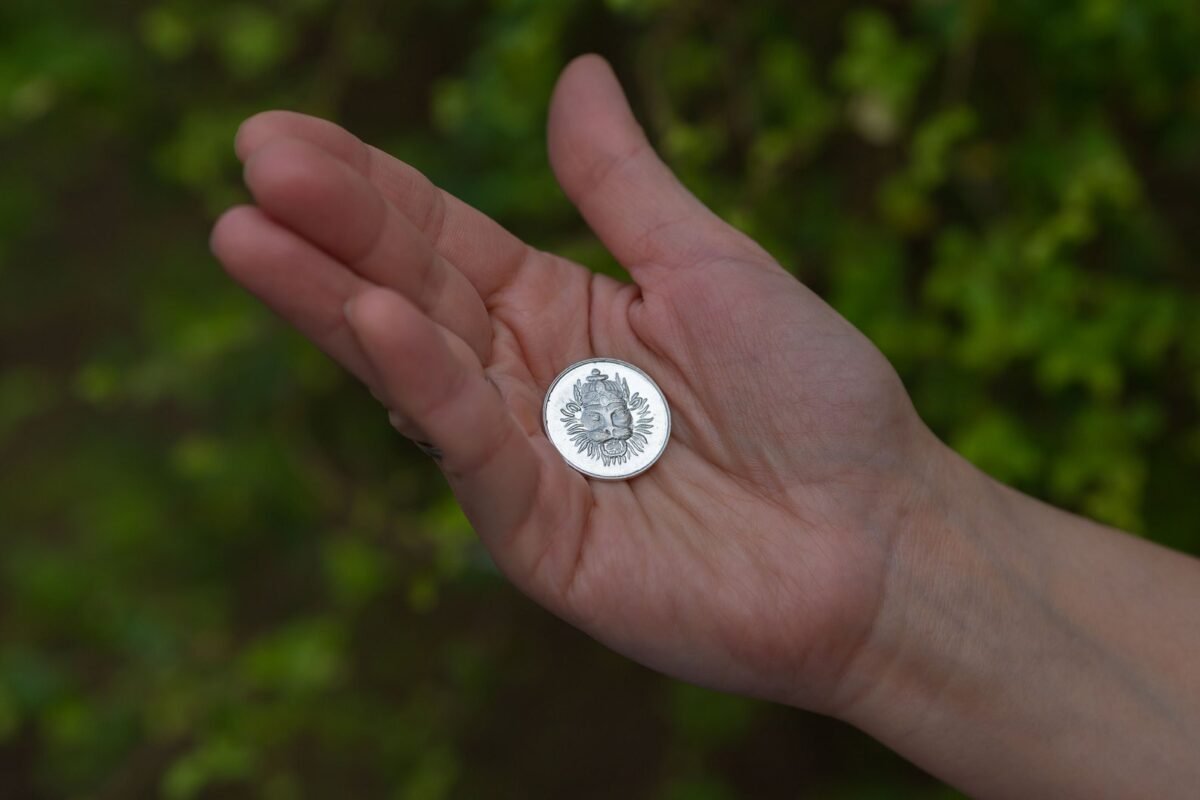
<point>222,576</point>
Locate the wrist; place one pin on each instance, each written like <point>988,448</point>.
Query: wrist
<point>1014,640</point>
<point>952,553</point>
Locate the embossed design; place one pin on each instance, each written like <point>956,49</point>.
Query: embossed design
<point>601,421</point>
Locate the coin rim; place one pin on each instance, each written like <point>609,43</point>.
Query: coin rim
<point>546,420</point>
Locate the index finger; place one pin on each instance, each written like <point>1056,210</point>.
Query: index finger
<point>480,247</point>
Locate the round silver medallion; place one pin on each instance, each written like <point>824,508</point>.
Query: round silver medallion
<point>607,418</point>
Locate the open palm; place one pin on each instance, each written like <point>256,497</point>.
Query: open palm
<point>753,557</point>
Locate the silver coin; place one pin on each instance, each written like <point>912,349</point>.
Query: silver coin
<point>607,418</point>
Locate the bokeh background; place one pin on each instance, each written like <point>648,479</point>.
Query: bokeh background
<point>222,575</point>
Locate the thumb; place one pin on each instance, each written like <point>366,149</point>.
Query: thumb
<point>628,196</point>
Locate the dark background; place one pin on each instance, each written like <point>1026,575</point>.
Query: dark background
<point>222,575</point>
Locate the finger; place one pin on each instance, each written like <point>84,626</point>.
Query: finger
<point>301,284</point>
<point>297,281</point>
<point>485,252</point>
<point>340,211</point>
<point>629,197</point>
<point>434,380</point>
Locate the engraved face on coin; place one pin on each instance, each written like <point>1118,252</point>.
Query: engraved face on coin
<point>607,418</point>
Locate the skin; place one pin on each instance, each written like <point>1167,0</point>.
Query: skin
<point>804,537</point>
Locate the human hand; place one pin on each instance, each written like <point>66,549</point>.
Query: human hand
<point>753,557</point>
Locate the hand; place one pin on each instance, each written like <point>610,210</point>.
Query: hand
<point>804,537</point>
<point>753,556</point>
